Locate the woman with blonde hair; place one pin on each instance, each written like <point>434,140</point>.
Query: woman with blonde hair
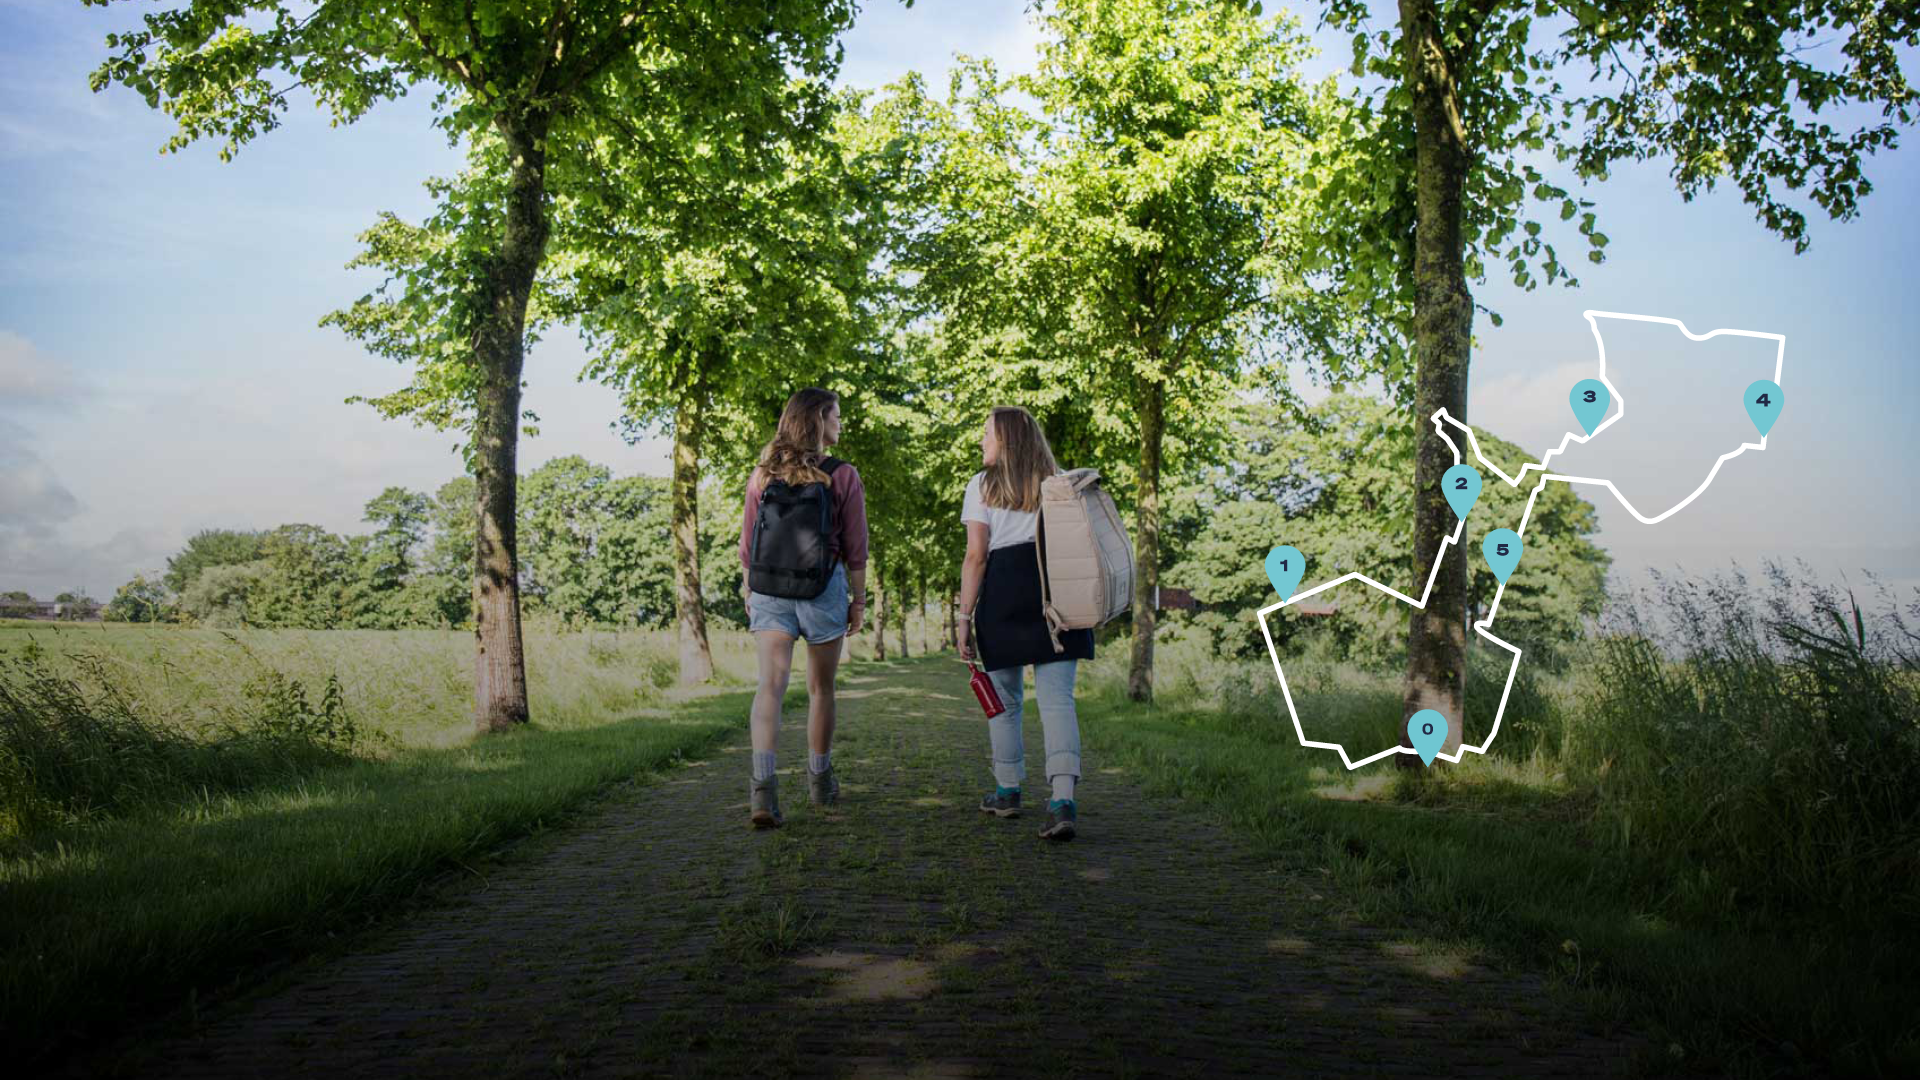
<point>803,546</point>
<point>1000,601</point>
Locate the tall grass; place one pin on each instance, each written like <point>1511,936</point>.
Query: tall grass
<point>74,751</point>
<point>416,686</point>
<point>1766,739</point>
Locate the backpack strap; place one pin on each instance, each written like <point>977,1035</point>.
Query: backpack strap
<point>828,464</point>
<point>1040,561</point>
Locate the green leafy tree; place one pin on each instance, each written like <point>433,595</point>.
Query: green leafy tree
<point>1124,259</point>
<point>304,580</point>
<point>401,519</point>
<point>219,594</point>
<point>444,578</point>
<point>211,547</point>
<point>593,551</point>
<point>1440,180</point>
<point>528,82</point>
<point>709,287</point>
<point>140,601</point>
<point>1332,480</point>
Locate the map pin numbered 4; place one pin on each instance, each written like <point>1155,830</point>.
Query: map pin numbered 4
<point>1763,404</point>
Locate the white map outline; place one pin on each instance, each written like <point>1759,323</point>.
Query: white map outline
<point>1619,407</point>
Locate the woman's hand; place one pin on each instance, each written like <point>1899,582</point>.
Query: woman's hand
<point>856,615</point>
<point>966,639</point>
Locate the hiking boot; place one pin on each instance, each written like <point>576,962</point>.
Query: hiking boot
<point>822,787</point>
<point>764,798</point>
<point>1060,819</point>
<point>1004,802</point>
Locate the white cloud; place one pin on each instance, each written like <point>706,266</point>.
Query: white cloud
<point>32,498</point>
<point>32,381</point>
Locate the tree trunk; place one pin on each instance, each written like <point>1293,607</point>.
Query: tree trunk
<point>499,349</point>
<point>696,657</point>
<point>1146,557</point>
<point>900,594</point>
<point>1442,330</point>
<point>879,595</point>
<point>953,621</point>
<point>920,605</point>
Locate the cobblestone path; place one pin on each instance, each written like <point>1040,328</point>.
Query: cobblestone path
<point>902,934</point>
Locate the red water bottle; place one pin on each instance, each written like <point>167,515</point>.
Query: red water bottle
<point>990,702</point>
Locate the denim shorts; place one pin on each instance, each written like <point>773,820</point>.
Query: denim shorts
<point>821,619</point>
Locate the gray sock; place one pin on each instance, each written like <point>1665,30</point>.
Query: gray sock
<point>1063,786</point>
<point>763,762</point>
<point>819,763</point>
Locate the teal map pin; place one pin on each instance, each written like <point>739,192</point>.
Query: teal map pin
<point>1763,404</point>
<point>1284,566</point>
<point>1461,485</point>
<point>1502,548</point>
<point>1590,399</point>
<point>1428,730</point>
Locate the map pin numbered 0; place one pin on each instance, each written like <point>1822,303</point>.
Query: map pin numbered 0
<point>1461,485</point>
<point>1502,548</point>
<point>1590,399</point>
<point>1284,566</point>
<point>1427,729</point>
<point>1763,404</point>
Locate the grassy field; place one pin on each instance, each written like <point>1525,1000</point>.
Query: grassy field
<point>1658,833</point>
<point>137,904</point>
<point>1714,837</point>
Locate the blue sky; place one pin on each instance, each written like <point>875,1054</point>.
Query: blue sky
<point>162,370</point>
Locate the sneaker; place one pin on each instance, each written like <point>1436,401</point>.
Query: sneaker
<point>822,788</point>
<point>1004,802</point>
<point>764,798</point>
<point>1060,818</point>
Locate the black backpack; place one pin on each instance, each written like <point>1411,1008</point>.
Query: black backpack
<point>790,556</point>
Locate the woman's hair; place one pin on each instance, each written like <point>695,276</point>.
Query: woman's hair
<point>798,444</point>
<point>1012,482</point>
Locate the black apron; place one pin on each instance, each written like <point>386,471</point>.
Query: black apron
<point>1008,627</point>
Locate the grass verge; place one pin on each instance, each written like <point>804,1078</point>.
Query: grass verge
<point>139,912</point>
<point>1507,863</point>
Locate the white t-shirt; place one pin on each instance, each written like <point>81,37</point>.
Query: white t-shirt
<point>1004,527</point>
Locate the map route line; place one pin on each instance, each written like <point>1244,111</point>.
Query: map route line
<point>1483,626</point>
<point>1479,628</point>
<point>1592,321</point>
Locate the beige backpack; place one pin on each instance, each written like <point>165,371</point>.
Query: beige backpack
<point>1086,579</point>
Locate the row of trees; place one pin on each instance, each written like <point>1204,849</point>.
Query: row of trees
<point>1157,219</point>
<point>1329,479</point>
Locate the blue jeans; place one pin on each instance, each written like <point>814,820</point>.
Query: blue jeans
<point>821,619</point>
<point>1053,685</point>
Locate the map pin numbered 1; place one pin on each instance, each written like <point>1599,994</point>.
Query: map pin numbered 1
<point>1763,404</point>
<point>1428,731</point>
<point>1461,485</point>
<point>1502,548</point>
<point>1590,399</point>
<point>1284,566</point>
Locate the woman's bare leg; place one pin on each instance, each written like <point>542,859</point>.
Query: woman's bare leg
<point>823,661</point>
<point>776,664</point>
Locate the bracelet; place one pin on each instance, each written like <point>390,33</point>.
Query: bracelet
<point>967,615</point>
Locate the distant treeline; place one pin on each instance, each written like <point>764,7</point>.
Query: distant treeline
<point>593,551</point>
<point>596,549</point>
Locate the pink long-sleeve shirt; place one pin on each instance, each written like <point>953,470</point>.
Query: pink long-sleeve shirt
<point>849,540</point>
